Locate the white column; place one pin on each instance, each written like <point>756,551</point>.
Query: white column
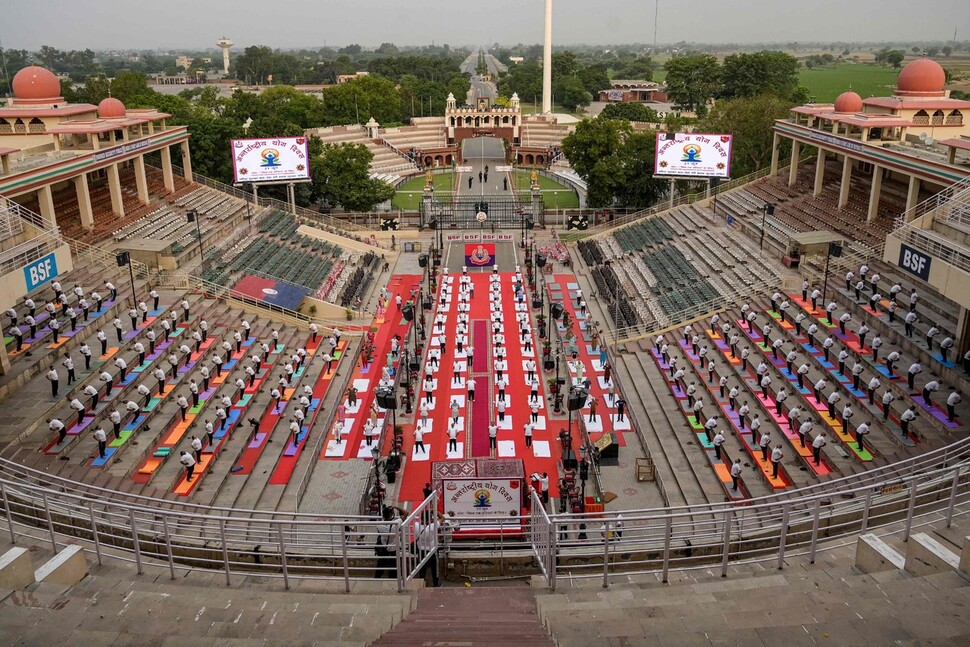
<point>45,197</point>
<point>775,146</point>
<point>819,171</point>
<point>875,193</point>
<point>796,149</point>
<point>141,179</point>
<point>167,169</point>
<point>846,181</point>
<point>84,200</point>
<point>547,62</point>
<point>186,161</point>
<point>114,187</point>
<point>912,195</point>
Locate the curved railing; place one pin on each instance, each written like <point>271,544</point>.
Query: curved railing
<point>287,545</point>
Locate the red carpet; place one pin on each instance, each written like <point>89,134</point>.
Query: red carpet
<point>482,406</point>
<point>417,473</point>
<point>384,330</point>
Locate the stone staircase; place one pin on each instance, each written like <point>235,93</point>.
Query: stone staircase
<point>113,606</point>
<point>470,617</point>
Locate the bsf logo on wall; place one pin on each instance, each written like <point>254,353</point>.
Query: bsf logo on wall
<point>40,271</point>
<point>915,262</point>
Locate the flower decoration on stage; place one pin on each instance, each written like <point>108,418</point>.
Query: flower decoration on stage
<point>692,153</point>
<point>271,158</point>
<point>483,499</point>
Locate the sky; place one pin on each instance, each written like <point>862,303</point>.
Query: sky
<point>196,24</point>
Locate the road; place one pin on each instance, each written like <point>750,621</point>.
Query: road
<point>480,87</point>
<point>478,153</point>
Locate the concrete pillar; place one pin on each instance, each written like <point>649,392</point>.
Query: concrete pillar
<point>186,161</point>
<point>874,193</point>
<point>962,332</point>
<point>46,199</point>
<point>796,149</point>
<point>169,180</point>
<point>84,200</point>
<point>835,127</point>
<point>846,181</point>
<point>114,186</point>
<point>547,62</point>
<point>819,172</point>
<point>141,179</point>
<point>912,195</point>
<point>5,165</point>
<point>775,149</point>
<point>4,360</point>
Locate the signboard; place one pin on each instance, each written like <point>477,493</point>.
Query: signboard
<point>480,254</point>
<point>124,149</point>
<point>464,169</point>
<point>504,169</point>
<point>478,238</point>
<point>693,155</point>
<point>283,159</point>
<point>915,262</point>
<point>615,95</point>
<point>40,271</point>
<point>482,498</point>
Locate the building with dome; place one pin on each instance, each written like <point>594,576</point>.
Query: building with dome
<point>48,145</point>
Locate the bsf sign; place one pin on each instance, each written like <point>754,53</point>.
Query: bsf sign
<point>40,271</point>
<point>914,262</point>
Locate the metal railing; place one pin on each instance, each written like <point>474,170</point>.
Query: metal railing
<point>29,251</point>
<point>289,545</point>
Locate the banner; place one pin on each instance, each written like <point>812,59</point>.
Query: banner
<point>483,498</point>
<point>915,262</point>
<point>693,155</point>
<point>40,271</point>
<point>480,254</point>
<point>283,159</point>
<point>478,238</point>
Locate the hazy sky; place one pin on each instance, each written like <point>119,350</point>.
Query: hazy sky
<point>106,24</point>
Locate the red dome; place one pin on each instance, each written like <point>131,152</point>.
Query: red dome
<point>35,83</point>
<point>848,102</point>
<point>922,76</point>
<point>111,108</point>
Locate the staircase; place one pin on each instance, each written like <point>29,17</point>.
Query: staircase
<point>471,617</point>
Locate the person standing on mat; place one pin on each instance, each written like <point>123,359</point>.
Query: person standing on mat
<point>452,438</point>
<point>528,433</point>
<point>492,435</point>
<point>419,441</point>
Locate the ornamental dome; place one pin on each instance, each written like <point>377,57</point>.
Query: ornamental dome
<point>848,102</point>
<point>111,108</point>
<point>35,84</point>
<point>923,76</point>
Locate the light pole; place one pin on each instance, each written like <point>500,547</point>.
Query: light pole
<point>767,210</point>
<point>193,216</point>
<point>124,258</point>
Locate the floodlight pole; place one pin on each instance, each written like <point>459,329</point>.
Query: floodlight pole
<point>193,216</point>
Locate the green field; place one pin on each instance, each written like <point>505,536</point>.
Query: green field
<point>554,194</point>
<point>409,194</point>
<point>826,83</point>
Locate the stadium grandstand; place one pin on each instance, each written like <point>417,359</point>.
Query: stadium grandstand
<point>756,390</point>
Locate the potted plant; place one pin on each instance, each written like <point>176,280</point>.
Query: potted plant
<point>553,385</point>
<point>349,313</point>
<point>541,322</point>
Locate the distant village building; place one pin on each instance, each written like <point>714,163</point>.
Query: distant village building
<point>633,91</point>
<point>344,78</point>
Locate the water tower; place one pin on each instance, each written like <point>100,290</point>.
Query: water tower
<point>224,44</point>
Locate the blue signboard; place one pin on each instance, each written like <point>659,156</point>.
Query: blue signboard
<point>915,262</point>
<point>40,271</point>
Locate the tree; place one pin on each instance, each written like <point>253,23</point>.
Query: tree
<point>524,79</point>
<point>895,58</point>
<point>947,50</point>
<point>750,120</point>
<point>751,74</point>
<point>360,99</point>
<point>615,162</point>
<point>341,176</point>
<point>350,50</point>
<point>564,64</point>
<point>595,78</point>
<point>932,51</point>
<point>254,64</point>
<point>572,93</point>
<point>631,112</point>
<point>692,80</point>
<point>387,49</point>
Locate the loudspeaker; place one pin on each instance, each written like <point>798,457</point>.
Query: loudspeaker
<point>192,215</point>
<point>540,260</point>
<point>770,209</point>
<point>386,398</point>
<point>530,223</point>
<point>122,258</point>
<point>556,310</point>
<point>408,311</point>
<point>433,223</point>
<point>422,260</point>
<point>577,398</point>
<point>414,365</point>
<point>835,249</point>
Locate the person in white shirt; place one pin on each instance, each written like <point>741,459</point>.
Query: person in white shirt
<point>493,436</point>
<point>189,463</point>
<point>908,416</point>
<point>817,446</point>
<point>930,336</point>
<point>860,433</point>
<point>952,401</point>
<point>776,455</point>
<point>452,438</point>
<point>196,445</point>
<point>929,389</point>
<point>717,441</point>
<point>102,440</point>
<point>735,474</point>
<point>914,369</point>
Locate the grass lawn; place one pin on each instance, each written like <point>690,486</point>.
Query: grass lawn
<point>408,196</point>
<point>554,194</point>
<point>826,83</point>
